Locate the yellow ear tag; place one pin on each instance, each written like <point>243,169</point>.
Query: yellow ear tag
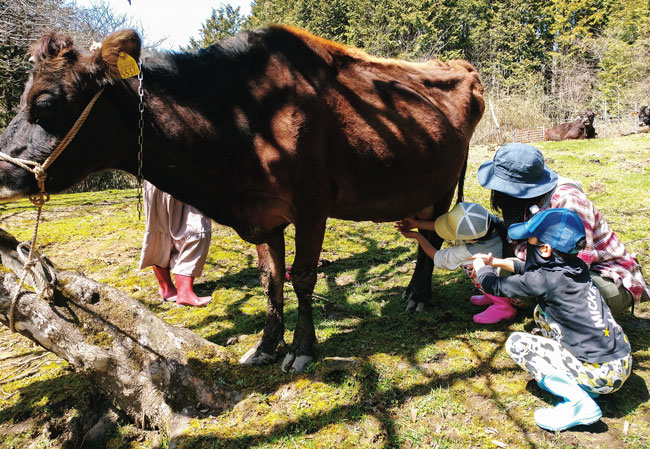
<point>127,66</point>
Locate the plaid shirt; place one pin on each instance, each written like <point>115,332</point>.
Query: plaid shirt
<point>604,253</point>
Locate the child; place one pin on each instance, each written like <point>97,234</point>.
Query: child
<point>479,232</point>
<point>176,240</point>
<point>583,352</point>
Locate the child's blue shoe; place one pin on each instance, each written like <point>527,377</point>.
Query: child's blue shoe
<point>578,409</point>
<point>568,414</point>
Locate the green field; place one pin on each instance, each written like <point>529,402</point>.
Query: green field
<point>431,380</point>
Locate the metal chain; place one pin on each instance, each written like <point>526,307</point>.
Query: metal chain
<point>140,140</point>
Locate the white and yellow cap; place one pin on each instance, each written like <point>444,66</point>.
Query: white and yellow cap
<point>465,221</point>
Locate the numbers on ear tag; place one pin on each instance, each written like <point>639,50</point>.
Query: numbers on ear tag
<point>127,66</point>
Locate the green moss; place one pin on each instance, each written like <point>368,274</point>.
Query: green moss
<point>101,339</point>
<point>21,439</point>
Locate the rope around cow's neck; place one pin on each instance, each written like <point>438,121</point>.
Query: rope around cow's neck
<point>39,200</point>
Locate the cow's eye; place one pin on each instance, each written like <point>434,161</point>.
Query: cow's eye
<point>44,102</point>
<point>42,107</point>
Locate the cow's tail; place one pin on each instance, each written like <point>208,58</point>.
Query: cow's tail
<point>461,180</point>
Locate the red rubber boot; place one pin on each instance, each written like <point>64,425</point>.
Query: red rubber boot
<point>186,295</point>
<point>165,285</point>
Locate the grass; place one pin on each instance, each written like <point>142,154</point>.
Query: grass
<point>435,379</point>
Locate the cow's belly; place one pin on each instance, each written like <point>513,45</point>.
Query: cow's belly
<point>391,207</point>
<point>392,193</point>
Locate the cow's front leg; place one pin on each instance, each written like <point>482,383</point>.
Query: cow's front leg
<point>309,241</point>
<point>272,271</point>
<point>418,292</point>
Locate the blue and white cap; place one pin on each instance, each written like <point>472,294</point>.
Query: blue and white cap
<point>561,228</point>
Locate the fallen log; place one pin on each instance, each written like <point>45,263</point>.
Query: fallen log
<point>149,369</point>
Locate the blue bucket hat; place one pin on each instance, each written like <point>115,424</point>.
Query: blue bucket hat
<point>561,228</point>
<point>518,170</point>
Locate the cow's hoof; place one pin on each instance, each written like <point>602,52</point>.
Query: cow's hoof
<point>256,357</point>
<point>410,306</point>
<point>414,307</point>
<point>294,364</point>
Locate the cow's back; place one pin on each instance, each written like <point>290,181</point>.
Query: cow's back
<point>565,131</point>
<point>303,122</point>
<point>390,134</point>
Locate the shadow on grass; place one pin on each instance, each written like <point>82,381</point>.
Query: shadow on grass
<point>50,399</point>
<point>396,333</point>
<point>374,399</point>
<point>245,323</point>
<point>393,332</point>
<point>384,327</point>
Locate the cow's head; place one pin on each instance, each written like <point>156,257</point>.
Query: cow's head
<point>644,115</point>
<point>588,118</point>
<point>61,83</point>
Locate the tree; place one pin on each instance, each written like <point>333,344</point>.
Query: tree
<point>571,21</point>
<point>328,19</point>
<point>397,29</point>
<point>224,22</point>
<point>571,24</point>
<point>509,43</point>
<point>623,54</point>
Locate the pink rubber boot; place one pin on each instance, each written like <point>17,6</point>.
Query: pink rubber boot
<point>481,300</point>
<point>477,300</point>
<point>165,285</point>
<point>186,295</point>
<point>501,309</point>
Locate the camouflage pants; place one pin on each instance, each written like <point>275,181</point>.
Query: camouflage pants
<point>543,355</point>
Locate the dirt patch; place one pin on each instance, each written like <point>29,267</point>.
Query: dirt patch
<point>22,426</point>
<point>597,187</point>
<point>632,166</point>
<point>482,407</point>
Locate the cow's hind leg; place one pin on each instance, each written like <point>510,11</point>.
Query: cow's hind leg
<point>418,292</point>
<point>309,242</point>
<point>272,271</point>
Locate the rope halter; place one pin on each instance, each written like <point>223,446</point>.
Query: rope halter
<point>39,199</point>
<point>39,170</point>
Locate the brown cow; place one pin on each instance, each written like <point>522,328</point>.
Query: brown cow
<point>272,127</point>
<point>581,128</point>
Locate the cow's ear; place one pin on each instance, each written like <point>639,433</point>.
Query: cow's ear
<point>50,45</point>
<point>126,42</point>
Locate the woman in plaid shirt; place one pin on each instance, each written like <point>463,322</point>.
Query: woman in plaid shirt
<point>522,185</point>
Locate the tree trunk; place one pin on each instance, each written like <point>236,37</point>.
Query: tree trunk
<point>156,373</point>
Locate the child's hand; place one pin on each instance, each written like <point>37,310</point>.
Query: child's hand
<point>481,260</point>
<point>486,258</point>
<point>405,225</point>
<point>407,234</point>
<point>478,264</point>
